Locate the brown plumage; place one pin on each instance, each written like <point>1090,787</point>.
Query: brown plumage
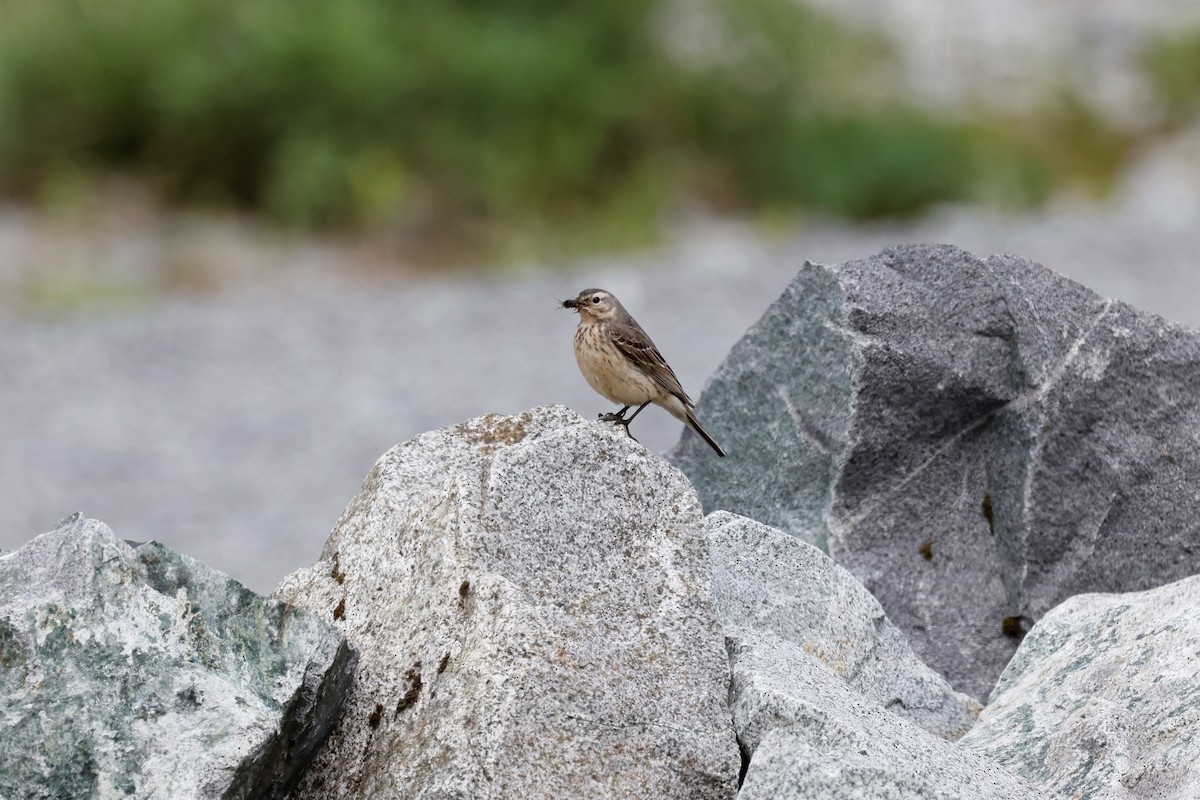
<point>619,360</point>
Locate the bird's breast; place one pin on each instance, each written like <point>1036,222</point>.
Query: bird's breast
<point>608,371</point>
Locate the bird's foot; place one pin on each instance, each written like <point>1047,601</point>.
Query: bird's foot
<point>618,417</point>
<point>615,416</point>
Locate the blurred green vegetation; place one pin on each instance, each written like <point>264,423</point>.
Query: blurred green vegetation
<point>1173,63</point>
<point>492,125</point>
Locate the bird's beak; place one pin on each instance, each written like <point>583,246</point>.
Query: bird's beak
<point>571,304</point>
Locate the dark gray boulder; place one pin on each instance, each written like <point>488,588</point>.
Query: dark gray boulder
<point>975,439</point>
<point>143,673</point>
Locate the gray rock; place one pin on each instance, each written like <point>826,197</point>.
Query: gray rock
<point>765,580</point>
<point>976,440</point>
<point>532,600</point>
<point>808,735</point>
<point>143,673</point>
<point>1103,698</point>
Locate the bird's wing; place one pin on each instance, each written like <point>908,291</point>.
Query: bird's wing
<point>635,345</point>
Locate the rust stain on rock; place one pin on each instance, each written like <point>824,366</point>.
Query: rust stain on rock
<point>494,430</point>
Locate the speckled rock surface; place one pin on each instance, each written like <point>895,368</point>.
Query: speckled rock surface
<point>142,673</point>
<point>810,736</point>
<point>765,580</point>
<point>1103,698</point>
<point>975,440</point>
<point>531,598</point>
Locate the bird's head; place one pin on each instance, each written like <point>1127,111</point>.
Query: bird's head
<point>595,304</point>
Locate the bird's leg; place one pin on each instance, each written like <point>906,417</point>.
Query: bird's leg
<point>626,422</point>
<point>615,416</point>
<point>620,419</point>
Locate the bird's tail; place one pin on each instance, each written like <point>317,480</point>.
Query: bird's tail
<point>695,425</point>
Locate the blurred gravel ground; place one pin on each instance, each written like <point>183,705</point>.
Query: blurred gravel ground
<point>236,427</point>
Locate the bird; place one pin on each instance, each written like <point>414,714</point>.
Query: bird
<point>619,360</point>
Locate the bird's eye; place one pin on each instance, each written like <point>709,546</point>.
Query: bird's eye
<point>596,299</point>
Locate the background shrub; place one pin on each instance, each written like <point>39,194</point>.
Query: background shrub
<point>480,122</point>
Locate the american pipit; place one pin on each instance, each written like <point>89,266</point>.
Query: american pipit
<point>620,362</point>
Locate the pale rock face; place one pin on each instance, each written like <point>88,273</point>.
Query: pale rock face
<point>140,672</point>
<point>769,582</point>
<point>810,736</point>
<point>974,439</point>
<point>1102,699</point>
<point>531,600</point>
